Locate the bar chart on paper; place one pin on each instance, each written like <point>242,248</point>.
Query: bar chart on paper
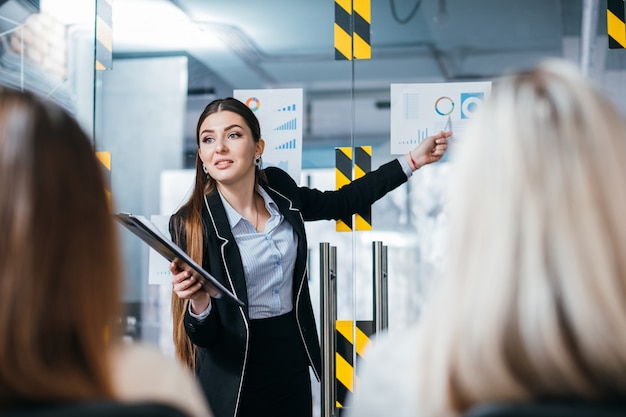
<point>421,135</point>
<point>290,125</point>
<point>291,144</point>
<point>291,107</point>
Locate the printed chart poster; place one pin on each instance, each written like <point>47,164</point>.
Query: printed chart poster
<point>280,114</point>
<point>423,109</point>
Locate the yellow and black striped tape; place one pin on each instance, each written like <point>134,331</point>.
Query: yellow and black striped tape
<point>362,21</point>
<point>616,29</point>
<point>363,165</point>
<point>343,30</point>
<point>352,28</point>
<point>105,161</point>
<point>344,357</point>
<point>104,35</point>
<point>343,175</point>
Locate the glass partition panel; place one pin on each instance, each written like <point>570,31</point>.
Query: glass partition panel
<point>47,47</point>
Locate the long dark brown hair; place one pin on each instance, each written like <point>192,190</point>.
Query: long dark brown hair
<point>204,185</point>
<point>60,269</point>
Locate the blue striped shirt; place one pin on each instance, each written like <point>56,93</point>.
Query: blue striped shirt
<point>268,258</point>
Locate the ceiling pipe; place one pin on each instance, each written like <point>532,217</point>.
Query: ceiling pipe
<point>588,33</point>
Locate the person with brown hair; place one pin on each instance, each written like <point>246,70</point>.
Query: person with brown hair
<point>245,225</point>
<point>532,303</point>
<point>61,276</point>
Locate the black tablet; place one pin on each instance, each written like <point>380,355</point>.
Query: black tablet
<point>149,233</point>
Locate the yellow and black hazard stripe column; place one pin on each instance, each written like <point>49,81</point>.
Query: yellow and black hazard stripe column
<point>352,29</point>
<point>343,30</point>
<point>343,175</point>
<point>105,161</point>
<point>344,357</point>
<point>104,35</point>
<point>363,165</point>
<point>616,29</point>
<point>361,36</point>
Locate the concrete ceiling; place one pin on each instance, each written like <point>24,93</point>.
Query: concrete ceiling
<point>285,43</point>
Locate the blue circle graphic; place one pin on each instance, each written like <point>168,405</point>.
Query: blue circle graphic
<point>444,106</point>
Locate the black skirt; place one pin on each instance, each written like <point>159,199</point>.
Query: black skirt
<point>276,382</point>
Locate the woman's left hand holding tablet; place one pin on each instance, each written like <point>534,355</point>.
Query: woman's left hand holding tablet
<point>187,286</point>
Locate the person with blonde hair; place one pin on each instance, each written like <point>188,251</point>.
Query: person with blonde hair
<point>533,299</point>
<point>61,277</point>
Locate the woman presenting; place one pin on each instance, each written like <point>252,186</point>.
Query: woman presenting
<point>245,225</point>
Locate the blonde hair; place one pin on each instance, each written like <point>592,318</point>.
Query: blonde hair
<point>60,270</point>
<point>534,298</point>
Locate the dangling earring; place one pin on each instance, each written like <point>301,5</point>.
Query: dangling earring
<point>258,161</point>
<point>206,171</point>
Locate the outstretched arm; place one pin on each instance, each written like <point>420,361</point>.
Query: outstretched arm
<point>361,193</point>
<point>430,150</point>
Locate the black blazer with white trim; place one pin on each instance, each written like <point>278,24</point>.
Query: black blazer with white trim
<point>222,337</point>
